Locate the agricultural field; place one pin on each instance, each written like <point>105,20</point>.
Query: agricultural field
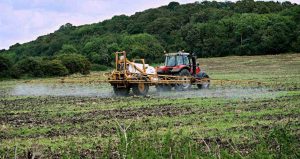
<point>251,110</point>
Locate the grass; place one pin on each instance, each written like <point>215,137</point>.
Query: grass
<point>264,126</point>
<point>280,71</point>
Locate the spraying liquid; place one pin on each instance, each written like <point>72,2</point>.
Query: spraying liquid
<point>105,91</point>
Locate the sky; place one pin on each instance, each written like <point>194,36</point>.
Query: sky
<point>24,20</point>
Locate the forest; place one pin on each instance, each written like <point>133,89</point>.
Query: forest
<point>208,29</point>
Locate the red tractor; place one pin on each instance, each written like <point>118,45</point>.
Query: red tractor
<point>181,64</point>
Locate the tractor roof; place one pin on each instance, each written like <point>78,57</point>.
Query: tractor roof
<point>177,53</point>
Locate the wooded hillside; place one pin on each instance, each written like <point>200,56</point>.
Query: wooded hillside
<point>208,28</point>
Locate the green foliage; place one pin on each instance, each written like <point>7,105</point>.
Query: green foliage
<point>143,46</point>
<point>206,38</point>
<point>64,64</point>
<point>75,63</point>
<point>283,143</point>
<point>296,44</point>
<point>247,34</point>
<point>68,49</point>
<point>97,67</point>
<point>97,52</point>
<point>30,66</point>
<point>5,66</point>
<point>210,14</point>
<point>66,27</point>
<point>279,143</point>
<point>54,68</point>
<point>172,5</point>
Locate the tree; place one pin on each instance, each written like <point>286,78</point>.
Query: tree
<point>30,66</point>
<point>292,12</point>
<point>54,68</point>
<point>2,50</point>
<point>296,42</point>
<point>97,52</point>
<point>245,6</point>
<point>68,49</point>
<point>172,5</point>
<point>66,27</point>
<point>5,66</point>
<point>296,45</point>
<point>117,24</point>
<point>143,46</point>
<point>160,26</point>
<point>75,63</point>
<point>275,38</point>
<point>210,14</point>
<point>135,28</point>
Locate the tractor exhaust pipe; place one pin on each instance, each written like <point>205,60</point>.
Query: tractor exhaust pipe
<point>194,62</point>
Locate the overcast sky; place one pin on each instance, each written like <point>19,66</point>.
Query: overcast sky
<point>24,20</point>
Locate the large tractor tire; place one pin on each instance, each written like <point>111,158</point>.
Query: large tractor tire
<point>184,86</point>
<point>140,89</point>
<point>121,91</point>
<point>204,85</point>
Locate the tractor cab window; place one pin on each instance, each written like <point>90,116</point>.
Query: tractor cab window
<point>179,60</point>
<point>186,60</point>
<point>170,60</point>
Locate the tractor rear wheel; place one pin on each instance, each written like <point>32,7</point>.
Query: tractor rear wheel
<point>204,85</point>
<point>140,89</point>
<point>184,86</point>
<point>121,91</point>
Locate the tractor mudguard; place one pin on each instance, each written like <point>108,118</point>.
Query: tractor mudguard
<point>202,75</point>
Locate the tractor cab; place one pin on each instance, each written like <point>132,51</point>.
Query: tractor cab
<point>176,62</point>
